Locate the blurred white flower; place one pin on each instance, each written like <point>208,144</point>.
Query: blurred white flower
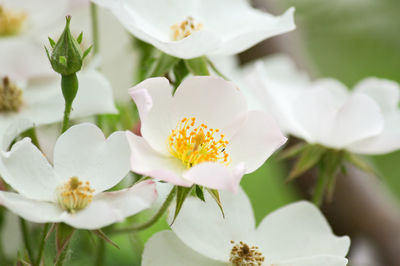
<point>192,28</point>
<point>42,103</point>
<point>365,120</point>
<point>204,134</point>
<point>85,165</point>
<point>295,235</point>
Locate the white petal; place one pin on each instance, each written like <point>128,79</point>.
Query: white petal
<point>324,260</point>
<point>255,141</point>
<point>31,210</point>
<point>212,100</point>
<point>84,152</point>
<point>385,92</point>
<point>216,176</point>
<point>26,170</point>
<point>153,98</point>
<point>146,161</point>
<point>298,230</point>
<point>165,248</point>
<point>200,225</point>
<point>110,207</point>
<point>10,128</point>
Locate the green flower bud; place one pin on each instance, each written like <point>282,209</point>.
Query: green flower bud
<point>67,56</point>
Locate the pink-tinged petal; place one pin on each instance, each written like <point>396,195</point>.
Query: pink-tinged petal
<point>26,170</point>
<point>256,140</point>
<point>165,248</point>
<point>325,260</point>
<point>153,98</point>
<point>111,207</point>
<point>146,161</point>
<point>32,210</point>
<point>296,231</point>
<point>201,226</point>
<point>212,100</point>
<point>83,151</point>
<point>216,176</point>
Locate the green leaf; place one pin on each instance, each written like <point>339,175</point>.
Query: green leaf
<point>180,72</point>
<point>359,163</point>
<point>200,193</point>
<point>52,42</point>
<point>79,39</point>
<point>309,157</point>
<point>198,66</point>
<point>215,194</point>
<point>103,236</point>
<point>292,151</point>
<point>181,195</point>
<point>162,65</point>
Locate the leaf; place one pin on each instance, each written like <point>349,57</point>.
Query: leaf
<point>163,65</point>
<point>103,236</point>
<point>200,193</point>
<point>79,39</point>
<point>181,195</point>
<point>291,151</point>
<point>309,157</point>
<point>215,194</point>
<point>52,42</point>
<point>359,163</point>
<point>197,66</point>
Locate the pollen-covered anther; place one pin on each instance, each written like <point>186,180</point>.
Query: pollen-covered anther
<point>11,22</point>
<point>196,144</point>
<point>75,194</point>
<point>245,255</point>
<point>10,96</point>
<point>185,28</point>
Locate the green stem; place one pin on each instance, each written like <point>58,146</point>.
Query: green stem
<point>69,87</point>
<point>42,243</point>
<point>95,28</point>
<point>153,219</point>
<point>25,236</point>
<point>67,111</point>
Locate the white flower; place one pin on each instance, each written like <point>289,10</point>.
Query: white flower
<point>203,135</point>
<point>192,28</point>
<point>71,191</point>
<point>364,120</point>
<point>295,235</point>
<point>43,103</point>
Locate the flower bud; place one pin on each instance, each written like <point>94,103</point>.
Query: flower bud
<point>67,56</point>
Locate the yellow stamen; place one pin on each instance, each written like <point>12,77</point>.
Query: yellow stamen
<point>185,28</point>
<point>11,21</point>
<point>74,195</point>
<point>194,145</point>
<point>10,96</point>
<point>244,255</point>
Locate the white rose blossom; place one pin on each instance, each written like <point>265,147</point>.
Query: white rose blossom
<point>295,235</point>
<point>192,28</point>
<point>72,191</point>
<point>41,102</point>
<point>364,120</point>
<point>203,135</point>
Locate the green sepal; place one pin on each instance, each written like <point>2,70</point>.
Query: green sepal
<point>198,66</point>
<point>162,65</point>
<point>52,42</point>
<point>309,157</point>
<point>180,72</point>
<point>199,192</point>
<point>80,37</point>
<point>86,52</point>
<point>103,236</point>
<point>292,151</point>
<point>62,60</point>
<point>63,236</point>
<point>359,163</point>
<point>181,195</point>
<point>215,195</point>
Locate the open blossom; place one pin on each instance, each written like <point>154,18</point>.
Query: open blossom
<point>202,135</point>
<point>72,191</point>
<point>41,102</point>
<point>365,120</point>
<point>295,235</point>
<point>192,28</point>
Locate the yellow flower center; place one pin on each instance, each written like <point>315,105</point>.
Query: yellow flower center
<point>185,28</point>
<point>10,96</point>
<point>244,255</point>
<point>11,21</point>
<point>74,195</point>
<point>196,144</point>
